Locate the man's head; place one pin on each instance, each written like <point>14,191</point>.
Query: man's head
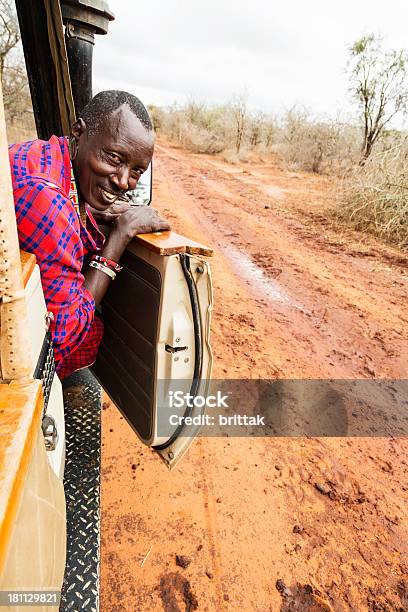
<point>113,146</point>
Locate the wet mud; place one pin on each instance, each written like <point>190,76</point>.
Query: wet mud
<point>274,523</point>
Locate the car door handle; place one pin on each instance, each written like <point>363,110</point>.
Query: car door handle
<point>175,349</point>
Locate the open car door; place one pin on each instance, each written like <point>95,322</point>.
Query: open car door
<point>157,338</point>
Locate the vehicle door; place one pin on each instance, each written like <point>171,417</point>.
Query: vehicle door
<point>157,318</point>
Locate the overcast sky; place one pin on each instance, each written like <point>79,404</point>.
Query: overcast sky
<point>281,53</point>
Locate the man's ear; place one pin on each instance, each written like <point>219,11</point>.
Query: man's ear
<point>78,128</point>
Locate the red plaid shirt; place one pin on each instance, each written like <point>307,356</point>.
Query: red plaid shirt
<point>49,226</point>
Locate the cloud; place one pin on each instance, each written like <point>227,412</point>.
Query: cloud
<point>281,53</point>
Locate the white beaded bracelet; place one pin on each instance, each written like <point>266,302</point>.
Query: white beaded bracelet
<point>102,268</point>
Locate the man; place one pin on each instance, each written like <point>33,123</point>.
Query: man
<point>54,181</point>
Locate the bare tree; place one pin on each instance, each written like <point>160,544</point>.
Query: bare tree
<point>9,31</point>
<point>195,110</point>
<point>239,108</point>
<point>257,122</point>
<point>379,85</point>
<point>270,132</point>
<point>16,94</point>
<point>17,101</point>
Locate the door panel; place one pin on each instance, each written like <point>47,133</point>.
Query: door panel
<point>126,359</point>
<point>151,338</point>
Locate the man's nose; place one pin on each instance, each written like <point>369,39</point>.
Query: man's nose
<point>121,179</point>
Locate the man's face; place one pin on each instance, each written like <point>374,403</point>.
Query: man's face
<point>111,162</point>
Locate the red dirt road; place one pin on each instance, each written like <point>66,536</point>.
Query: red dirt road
<point>268,523</point>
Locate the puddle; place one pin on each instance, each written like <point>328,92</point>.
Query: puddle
<point>258,279</point>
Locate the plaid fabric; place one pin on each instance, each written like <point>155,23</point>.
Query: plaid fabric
<point>49,226</point>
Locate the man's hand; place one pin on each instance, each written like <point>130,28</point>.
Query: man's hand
<point>135,220</point>
<point>110,215</point>
<point>139,220</point>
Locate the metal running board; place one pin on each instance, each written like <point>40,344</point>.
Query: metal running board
<point>82,402</point>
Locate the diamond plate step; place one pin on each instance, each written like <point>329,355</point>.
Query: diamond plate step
<point>82,401</point>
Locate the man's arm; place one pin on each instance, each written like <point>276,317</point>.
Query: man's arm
<point>48,226</point>
<point>136,220</point>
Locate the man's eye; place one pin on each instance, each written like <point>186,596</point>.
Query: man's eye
<point>114,158</point>
<point>136,174</point>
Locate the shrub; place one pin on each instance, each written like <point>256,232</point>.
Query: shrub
<point>375,197</point>
<point>195,127</point>
<point>213,129</point>
<point>316,145</point>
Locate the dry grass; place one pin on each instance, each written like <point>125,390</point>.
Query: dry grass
<point>374,198</point>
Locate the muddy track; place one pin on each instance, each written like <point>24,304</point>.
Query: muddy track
<point>268,524</point>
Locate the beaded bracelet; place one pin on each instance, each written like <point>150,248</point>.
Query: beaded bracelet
<point>102,268</point>
<point>109,263</point>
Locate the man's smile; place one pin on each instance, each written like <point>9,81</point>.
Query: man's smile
<point>109,196</point>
